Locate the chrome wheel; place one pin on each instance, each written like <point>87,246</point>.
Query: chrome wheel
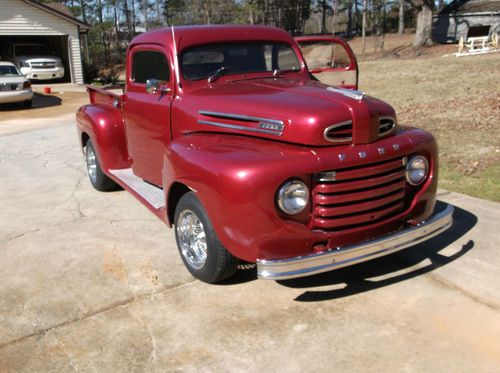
<point>91,164</point>
<point>192,239</point>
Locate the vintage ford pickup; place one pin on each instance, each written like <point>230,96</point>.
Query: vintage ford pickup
<point>258,147</point>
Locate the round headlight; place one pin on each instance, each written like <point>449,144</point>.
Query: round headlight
<point>293,197</point>
<point>417,170</point>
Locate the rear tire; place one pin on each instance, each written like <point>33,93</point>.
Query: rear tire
<point>201,251</point>
<point>28,103</point>
<point>97,177</point>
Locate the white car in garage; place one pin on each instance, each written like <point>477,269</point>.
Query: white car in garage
<point>35,61</point>
<point>14,87</point>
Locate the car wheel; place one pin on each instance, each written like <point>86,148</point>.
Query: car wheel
<point>201,251</point>
<point>28,103</point>
<point>97,177</point>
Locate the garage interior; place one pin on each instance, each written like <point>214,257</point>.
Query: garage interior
<point>58,44</point>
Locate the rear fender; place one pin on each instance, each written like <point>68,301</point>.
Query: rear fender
<point>104,126</point>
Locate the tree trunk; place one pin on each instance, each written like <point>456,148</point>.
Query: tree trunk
<point>99,11</point>
<point>423,34</point>
<point>401,26</point>
<point>334,17</point>
<point>117,30</point>
<point>207,12</point>
<point>356,15</point>
<point>323,17</point>
<point>84,15</point>
<point>128,19</point>
<point>145,13</point>
<point>363,28</point>
<point>349,21</point>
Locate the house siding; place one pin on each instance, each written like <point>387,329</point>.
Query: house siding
<point>448,28</point>
<point>19,18</point>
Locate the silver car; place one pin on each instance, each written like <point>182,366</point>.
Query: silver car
<point>14,87</point>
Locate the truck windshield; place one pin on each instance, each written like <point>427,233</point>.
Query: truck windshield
<point>236,58</point>
<point>9,71</point>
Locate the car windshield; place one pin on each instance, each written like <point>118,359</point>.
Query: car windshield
<point>236,58</point>
<point>32,50</point>
<point>9,71</point>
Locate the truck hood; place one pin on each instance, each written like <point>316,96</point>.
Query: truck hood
<point>297,111</point>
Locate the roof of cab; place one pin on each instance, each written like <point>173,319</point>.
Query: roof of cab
<point>187,36</point>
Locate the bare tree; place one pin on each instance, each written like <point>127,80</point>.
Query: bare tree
<point>145,10</point>
<point>363,32</point>
<point>425,11</point>
<point>401,25</point>
<point>335,14</point>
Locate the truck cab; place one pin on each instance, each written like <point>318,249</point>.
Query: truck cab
<point>258,147</point>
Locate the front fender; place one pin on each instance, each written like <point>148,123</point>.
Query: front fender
<point>104,125</point>
<point>236,179</point>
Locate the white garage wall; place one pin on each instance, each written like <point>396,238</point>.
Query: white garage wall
<point>19,18</point>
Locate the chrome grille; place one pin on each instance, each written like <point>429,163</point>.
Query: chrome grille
<point>360,195</point>
<point>43,65</point>
<point>5,87</point>
<point>340,132</point>
<point>386,126</point>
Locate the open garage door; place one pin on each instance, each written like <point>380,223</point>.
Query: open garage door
<point>58,44</point>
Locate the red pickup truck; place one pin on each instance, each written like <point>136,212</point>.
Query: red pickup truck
<point>258,147</point>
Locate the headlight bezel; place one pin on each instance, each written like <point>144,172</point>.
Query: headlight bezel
<point>410,168</point>
<point>289,187</point>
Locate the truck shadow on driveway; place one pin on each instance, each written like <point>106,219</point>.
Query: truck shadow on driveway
<point>359,278</point>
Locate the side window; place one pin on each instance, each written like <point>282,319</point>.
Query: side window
<point>150,65</point>
<point>281,57</point>
<point>287,59</point>
<point>321,55</point>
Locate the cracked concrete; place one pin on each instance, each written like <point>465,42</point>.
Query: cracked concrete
<point>92,282</point>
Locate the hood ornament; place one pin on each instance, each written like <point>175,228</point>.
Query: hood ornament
<point>351,93</point>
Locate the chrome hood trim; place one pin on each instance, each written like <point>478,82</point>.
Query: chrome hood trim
<point>245,122</point>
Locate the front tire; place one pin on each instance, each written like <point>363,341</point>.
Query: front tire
<point>201,251</point>
<point>97,177</point>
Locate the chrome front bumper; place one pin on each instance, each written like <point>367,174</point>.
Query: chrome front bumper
<point>345,256</point>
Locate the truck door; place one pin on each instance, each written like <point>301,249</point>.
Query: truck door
<point>330,60</point>
<point>147,104</point>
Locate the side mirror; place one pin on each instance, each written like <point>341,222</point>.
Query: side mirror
<point>152,86</point>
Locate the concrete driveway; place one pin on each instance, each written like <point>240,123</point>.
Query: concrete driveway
<point>93,282</point>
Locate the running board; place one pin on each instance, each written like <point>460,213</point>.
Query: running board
<point>150,193</point>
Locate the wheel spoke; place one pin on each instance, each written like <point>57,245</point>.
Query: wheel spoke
<point>192,239</point>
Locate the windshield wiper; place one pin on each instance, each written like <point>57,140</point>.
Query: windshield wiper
<point>217,74</point>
